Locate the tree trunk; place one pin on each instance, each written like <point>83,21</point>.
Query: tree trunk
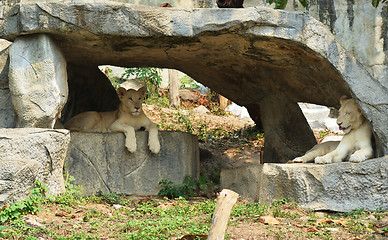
<point>174,87</point>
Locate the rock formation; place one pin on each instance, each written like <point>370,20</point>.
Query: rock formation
<point>100,162</point>
<point>337,187</point>
<point>37,71</point>
<point>252,56</point>
<point>29,154</point>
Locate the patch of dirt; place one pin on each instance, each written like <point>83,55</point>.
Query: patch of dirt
<point>225,153</point>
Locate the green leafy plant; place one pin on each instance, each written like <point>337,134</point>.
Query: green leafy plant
<point>72,194</point>
<point>28,205</point>
<point>188,189</point>
<point>111,198</point>
<point>281,4</point>
<point>188,83</point>
<point>149,75</point>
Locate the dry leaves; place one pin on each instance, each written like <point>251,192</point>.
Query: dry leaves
<point>269,220</point>
<point>328,220</point>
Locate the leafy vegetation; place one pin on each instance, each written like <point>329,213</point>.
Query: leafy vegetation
<point>149,75</point>
<point>116,216</point>
<point>188,83</point>
<point>188,189</point>
<point>18,209</point>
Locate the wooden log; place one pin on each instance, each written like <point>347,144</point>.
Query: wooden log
<point>225,202</point>
<point>174,87</point>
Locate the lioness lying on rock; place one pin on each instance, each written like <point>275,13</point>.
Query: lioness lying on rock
<point>356,145</point>
<point>127,118</point>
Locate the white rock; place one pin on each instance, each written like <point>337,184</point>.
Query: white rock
<point>237,110</point>
<point>201,109</point>
<point>37,80</point>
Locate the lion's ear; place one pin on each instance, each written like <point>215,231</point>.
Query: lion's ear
<point>121,92</point>
<point>343,99</point>
<point>142,91</point>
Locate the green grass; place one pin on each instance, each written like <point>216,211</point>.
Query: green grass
<point>94,217</point>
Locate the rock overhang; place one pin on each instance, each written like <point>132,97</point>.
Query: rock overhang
<point>244,54</point>
<point>252,50</point>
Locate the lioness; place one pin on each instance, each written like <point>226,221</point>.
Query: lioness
<point>356,145</point>
<point>127,118</point>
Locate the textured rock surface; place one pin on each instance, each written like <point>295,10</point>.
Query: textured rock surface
<point>45,146</point>
<point>244,54</point>
<point>17,178</point>
<point>338,187</point>
<point>37,80</point>
<point>7,113</point>
<point>100,162</point>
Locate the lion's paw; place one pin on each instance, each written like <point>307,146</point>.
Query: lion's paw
<point>298,160</point>
<point>131,145</point>
<point>356,158</point>
<point>154,146</point>
<point>323,160</point>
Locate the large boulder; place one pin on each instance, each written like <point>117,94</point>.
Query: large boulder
<point>17,178</point>
<point>7,113</point>
<point>336,187</point>
<point>254,56</point>
<point>101,162</point>
<point>46,147</point>
<point>37,80</point>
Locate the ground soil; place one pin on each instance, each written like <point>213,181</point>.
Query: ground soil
<point>224,154</point>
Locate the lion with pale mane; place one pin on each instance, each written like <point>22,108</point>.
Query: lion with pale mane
<point>127,118</point>
<point>355,146</point>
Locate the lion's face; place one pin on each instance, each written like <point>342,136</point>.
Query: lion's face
<point>350,116</point>
<point>132,99</point>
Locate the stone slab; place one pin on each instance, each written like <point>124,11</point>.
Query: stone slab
<point>100,162</point>
<point>336,187</point>
<point>17,178</point>
<point>45,146</point>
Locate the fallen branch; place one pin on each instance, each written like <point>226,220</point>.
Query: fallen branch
<point>225,202</point>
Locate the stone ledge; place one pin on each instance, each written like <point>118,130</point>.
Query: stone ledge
<point>29,154</point>
<point>337,187</point>
<point>100,162</point>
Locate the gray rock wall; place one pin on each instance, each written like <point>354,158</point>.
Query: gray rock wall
<point>361,28</point>
<point>336,187</point>
<point>101,162</point>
